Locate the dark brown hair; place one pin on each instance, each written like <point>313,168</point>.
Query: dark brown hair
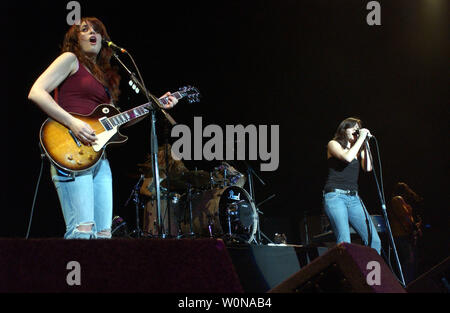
<point>403,190</point>
<point>101,69</point>
<point>340,135</point>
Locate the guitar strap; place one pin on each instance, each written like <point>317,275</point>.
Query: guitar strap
<point>109,95</point>
<point>107,92</point>
<point>62,176</point>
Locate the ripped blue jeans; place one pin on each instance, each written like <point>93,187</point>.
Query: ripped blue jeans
<point>86,199</point>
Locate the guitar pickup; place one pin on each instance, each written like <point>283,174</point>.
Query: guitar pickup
<point>75,138</point>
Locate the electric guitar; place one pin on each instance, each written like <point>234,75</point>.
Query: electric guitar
<point>68,153</point>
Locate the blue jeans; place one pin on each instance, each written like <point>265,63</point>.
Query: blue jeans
<point>343,210</point>
<point>86,199</point>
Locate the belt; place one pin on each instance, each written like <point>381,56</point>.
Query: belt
<point>342,191</point>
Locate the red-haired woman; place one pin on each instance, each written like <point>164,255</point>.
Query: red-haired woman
<point>82,79</point>
<point>406,227</point>
<point>342,204</point>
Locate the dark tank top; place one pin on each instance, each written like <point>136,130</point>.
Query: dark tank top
<point>342,175</point>
<point>81,93</point>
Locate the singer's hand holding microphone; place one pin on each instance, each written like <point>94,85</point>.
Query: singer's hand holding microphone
<point>364,133</point>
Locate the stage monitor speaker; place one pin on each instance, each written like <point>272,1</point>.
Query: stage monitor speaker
<point>262,267</point>
<point>117,265</point>
<point>435,280</point>
<point>344,268</point>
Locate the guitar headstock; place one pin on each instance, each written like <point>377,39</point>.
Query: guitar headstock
<point>191,93</point>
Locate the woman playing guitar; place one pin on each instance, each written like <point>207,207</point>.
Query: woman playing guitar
<point>82,79</point>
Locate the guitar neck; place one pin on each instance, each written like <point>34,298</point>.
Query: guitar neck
<point>178,95</point>
<point>139,111</point>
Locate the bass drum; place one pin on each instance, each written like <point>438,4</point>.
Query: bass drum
<point>227,212</point>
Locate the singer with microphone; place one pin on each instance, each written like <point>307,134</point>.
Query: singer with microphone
<point>82,78</point>
<point>346,153</point>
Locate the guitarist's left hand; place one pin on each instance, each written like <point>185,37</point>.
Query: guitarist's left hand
<point>172,100</point>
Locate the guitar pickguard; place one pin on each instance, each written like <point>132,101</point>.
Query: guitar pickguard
<point>103,138</point>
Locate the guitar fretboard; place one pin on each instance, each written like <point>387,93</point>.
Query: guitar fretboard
<point>127,116</point>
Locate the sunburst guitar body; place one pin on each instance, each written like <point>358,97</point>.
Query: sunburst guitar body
<point>68,153</point>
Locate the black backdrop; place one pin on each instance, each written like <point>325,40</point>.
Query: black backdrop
<point>303,65</point>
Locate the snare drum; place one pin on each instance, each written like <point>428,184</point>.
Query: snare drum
<point>223,212</point>
<point>226,175</point>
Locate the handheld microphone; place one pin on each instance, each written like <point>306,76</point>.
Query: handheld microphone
<point>112,45</point>
<point>368,135</point>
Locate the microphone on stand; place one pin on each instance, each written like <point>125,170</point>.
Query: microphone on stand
<point>369,136</point>
<point>112,45</point>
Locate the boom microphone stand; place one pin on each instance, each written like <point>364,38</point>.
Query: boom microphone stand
<point>153,103</point>
<point>383,207</point>
<point>166,161</point>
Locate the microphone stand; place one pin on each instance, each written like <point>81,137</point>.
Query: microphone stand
<point>168,196</point>
<point>383,207</point>
<point>153,102</point>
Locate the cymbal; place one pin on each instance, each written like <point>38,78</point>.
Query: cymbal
<point>149,165</point>
<point>174,184</point>
<point>147,169</point>
<point>133,175</point>
<point>144,165</point>
<point>197,179</point>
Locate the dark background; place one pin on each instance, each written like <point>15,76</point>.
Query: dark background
<point>303,65</point>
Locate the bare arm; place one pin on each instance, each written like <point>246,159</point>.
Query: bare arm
<point>336,150</point>
<point>65,65</point>
<point>366,159</point>
<point>144,187</point>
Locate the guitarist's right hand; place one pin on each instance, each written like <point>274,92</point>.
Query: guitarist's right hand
<point>83,131</point>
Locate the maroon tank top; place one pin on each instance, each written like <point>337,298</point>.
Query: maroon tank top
<point>81,93</point>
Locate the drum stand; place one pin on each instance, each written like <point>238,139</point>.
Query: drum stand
<point>191,232</point>
<point>135,196</point>
<point>250,173</point>
<point>259,212</point>
<point>229,237</point>
<point>189,203</point>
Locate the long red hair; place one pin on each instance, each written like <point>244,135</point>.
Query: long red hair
<point>102,69</point>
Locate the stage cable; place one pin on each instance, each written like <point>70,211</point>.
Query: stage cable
<point>36,192</point>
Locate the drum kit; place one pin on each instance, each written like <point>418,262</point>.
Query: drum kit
<point>200,204</point>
